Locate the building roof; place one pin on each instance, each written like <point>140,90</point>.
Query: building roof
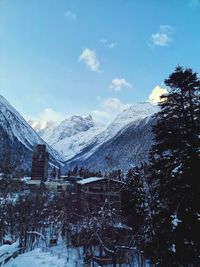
<point>90,180</point>
<point>96,179</point>
<point>34,182</point>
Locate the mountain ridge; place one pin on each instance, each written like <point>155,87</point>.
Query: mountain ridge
<point>19,138</point>
<point>79,141</point>
<point>82,145</point>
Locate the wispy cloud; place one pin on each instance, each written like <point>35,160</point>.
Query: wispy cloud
<point>89,57</point>
<point>108,109</point>
<point>156,93</point>
<point>108,44</point>
<point>118,84</point>
<point>163,37</point>
<point>70,15</point>
<point>113,104</point>
<point>46,116</point>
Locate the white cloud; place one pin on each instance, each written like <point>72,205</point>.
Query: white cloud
<point>163,37</point>
<point>108,44</point>
<point>48,115</point>
<point>89,57</point>
<point>118,84</point>
<point>156,93</point>
<point>108,109</point>
<point>113,104</point>
<point>100,117</point>
<point>70,15</point>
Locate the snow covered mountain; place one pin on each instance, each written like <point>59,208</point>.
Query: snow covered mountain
<point>18,138</point>
<point>67,128</point>
<point>71,136</point>
<point>134,114</point>
<point>128,148</point>
<point>82,143</point>
<point>125,142</point>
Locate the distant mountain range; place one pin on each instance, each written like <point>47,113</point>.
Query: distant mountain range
<point>123,143</point>
<point>78,141</point>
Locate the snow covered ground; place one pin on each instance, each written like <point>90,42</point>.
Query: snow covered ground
<point>39,258</point>
<point>7,251</point>
<point>58,256</point>
<point>36,258</point>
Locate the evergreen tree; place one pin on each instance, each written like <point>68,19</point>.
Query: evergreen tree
<point>133,199</point>
<point>59,173</point>
<point>136,189</point>
<point>9,164</point>
<point>75,171</point>
<point>53,173</point>
<point>173,237</point>
<point>80,172</point>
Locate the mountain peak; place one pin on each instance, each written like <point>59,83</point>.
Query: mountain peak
<point>71,126</point>
<point>77,120</point>
<point>74,118</point>
<point>136,112</point>
<point>89,117</point>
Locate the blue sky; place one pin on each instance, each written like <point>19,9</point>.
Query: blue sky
<point>65,57</point>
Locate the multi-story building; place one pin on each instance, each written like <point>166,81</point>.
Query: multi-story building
<point>39,163</point>
<point>93,192</point>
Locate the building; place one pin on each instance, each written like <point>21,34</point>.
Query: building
<point>93,192</point>
<point>40,157</point>
<point>56,186</point>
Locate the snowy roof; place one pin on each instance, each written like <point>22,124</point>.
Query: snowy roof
<point>34,182</point>
<point>96,179</point>
<point>90,180</point>
<point>57,182</point>
<point>121,225</point>
<point>25,179</point>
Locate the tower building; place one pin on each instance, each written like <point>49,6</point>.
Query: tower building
<point>40,157</point>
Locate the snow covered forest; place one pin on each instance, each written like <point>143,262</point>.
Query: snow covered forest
<point>158,220</point>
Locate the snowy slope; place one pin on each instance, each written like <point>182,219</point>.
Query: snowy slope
<point>124,143</point>
<point>36,258</point>
<point>77,134</point>
<point>58,256</point>
<point>132,115</point>
<point>67,128</point>
<point>78,140</point>
<point>128,148</point>
<point>17,134</point>
<point>73,145</point>
<point>71,135</point>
